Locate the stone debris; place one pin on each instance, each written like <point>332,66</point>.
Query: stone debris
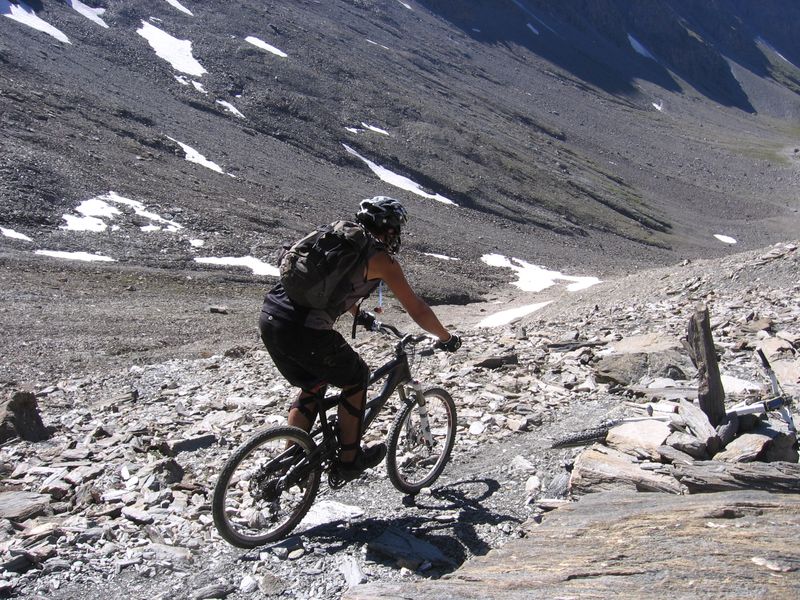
<point>690,436</point>
<point>408,550</point>
<point>351,570</point>
<point>122,485</point>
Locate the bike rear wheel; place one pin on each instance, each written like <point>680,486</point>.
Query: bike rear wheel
<point>266,487</point>
<point>420,441</point>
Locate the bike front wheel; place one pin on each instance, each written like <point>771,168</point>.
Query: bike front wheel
<point>420,441</point>
<point>266,487</point>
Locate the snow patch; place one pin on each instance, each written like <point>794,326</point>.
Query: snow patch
<point>258,267</point>
<point>509,316</point>
<point>93,14</point>
<point>400,181</point>
<point>265,46</point>
<point>377,44</point>
<point>82,256</point>
<point>180,7</point>
<point>194,156</point>
<point>230,108</point>
<point>10,233</point>
<point>725,239</point>
<point>22,13</point>
<point>176,52</point>
<point>533,278</point>
<point>440,256</point>
<point>95,210</point>
<point>373,128</point>
<point>639,48</point>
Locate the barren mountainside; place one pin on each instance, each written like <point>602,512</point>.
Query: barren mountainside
<point>580,176</point>
<point>592,137</point>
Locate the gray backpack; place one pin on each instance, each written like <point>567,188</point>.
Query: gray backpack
<point>316,270</point>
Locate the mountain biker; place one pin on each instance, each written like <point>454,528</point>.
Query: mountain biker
<point>310,354</point>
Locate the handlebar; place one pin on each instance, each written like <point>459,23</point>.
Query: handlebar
<point>406,339</point>
<point>368,321</point>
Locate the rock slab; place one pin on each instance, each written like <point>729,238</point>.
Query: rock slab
<point>630,545</point>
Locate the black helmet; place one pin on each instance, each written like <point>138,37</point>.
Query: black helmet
<point>382,213</point>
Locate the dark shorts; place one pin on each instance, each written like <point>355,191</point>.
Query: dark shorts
<point>309,357</point>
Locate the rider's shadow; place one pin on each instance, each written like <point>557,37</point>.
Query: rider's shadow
<point>450,519</point>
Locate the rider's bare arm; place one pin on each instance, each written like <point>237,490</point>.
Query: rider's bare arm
<point>382,266</point>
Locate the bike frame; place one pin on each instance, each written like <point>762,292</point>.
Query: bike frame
<point>397,373</point>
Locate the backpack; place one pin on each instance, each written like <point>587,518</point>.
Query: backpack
<point>316,270</point>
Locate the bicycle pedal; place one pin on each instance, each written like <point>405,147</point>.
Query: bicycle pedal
<point>335,480</point>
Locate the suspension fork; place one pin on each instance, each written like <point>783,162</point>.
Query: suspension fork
<point>419,398</point>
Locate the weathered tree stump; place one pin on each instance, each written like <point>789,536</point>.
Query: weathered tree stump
<point>700,345</point>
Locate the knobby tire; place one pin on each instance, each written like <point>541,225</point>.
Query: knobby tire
<point>233,499</point>
<point>596,434</point>
<point>406,447</point>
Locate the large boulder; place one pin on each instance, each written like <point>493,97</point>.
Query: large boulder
<point>631,359</point>
<point>19,417</point>
<point>629,545</point>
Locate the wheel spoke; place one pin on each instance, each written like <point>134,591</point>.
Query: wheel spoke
<point>420,441</point>
<point>261,495</point>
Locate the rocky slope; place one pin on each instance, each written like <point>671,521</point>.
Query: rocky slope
<point>562,143</point>
<point>116,500</point>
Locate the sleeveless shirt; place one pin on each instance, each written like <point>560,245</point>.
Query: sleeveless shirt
<point>278,304</point>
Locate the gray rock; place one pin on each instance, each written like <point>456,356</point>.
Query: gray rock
<point>495,362</point>
<point>191,444</point>
<point>140,517</point>
<point>402,546</point>
<point>575,552</point>
<point>18,506</point>
<point>604,469</point>
<point>745,448</point>
<point>19,417</point>
<point>217,590</point>
<point>688,444</point>
<point>350,569</point>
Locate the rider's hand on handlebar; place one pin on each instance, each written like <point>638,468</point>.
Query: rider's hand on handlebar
<point>451,345</point>
<point>366,319</point>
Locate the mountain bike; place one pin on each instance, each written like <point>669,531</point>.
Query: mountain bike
<point>269,483</point>
<point>779,401</point>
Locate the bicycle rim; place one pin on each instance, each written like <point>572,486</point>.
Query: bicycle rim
<point>420,444</point>
<point>266,487</point>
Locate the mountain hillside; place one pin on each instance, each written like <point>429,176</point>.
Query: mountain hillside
<point>592,137</point>
<point>579,174</point>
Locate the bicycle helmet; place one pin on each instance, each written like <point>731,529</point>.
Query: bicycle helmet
<point>382,214</point>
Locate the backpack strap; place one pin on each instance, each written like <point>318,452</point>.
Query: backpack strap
<point>355,318</point>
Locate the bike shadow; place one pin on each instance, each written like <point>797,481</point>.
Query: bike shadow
<point>452,518</point>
